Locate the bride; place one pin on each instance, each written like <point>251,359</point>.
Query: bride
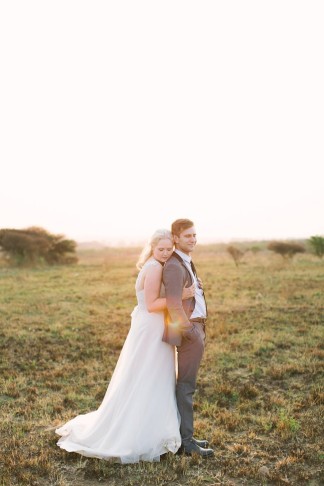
<point>138,417</point>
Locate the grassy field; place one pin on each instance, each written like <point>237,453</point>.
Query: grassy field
<point>260,396</point>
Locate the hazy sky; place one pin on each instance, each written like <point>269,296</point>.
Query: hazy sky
<point>118,117</point>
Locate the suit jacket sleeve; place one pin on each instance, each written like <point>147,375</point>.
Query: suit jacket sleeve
<point>173,282</point>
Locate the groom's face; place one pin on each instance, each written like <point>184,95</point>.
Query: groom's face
<point>187,240</point>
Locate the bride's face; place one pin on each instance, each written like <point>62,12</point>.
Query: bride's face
<point>163,250</point>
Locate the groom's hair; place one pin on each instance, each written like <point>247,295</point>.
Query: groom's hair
<point>179,225</point>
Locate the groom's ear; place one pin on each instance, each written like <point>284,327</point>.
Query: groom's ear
<point>176,238</point>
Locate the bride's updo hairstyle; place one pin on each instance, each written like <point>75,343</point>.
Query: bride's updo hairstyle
<point>147,252</point>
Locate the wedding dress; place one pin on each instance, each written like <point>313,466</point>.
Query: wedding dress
<point>138,417</point>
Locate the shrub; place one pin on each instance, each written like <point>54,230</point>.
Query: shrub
<point>317,244</point>
<point>285,249</point>
<point>34,245</point>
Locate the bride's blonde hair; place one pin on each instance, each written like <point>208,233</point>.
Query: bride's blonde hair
<point>147,252</point>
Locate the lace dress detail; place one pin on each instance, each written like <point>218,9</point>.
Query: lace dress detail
<point>138,417</point>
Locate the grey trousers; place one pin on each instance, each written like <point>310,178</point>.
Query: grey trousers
<point>189,357</point>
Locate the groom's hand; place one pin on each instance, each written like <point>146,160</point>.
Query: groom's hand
<point>188,292</point>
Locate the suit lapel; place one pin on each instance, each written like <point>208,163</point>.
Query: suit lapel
<point>178,257</point>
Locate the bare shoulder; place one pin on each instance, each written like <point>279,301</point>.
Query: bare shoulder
<point>152,267</point>
<point>152,263</point>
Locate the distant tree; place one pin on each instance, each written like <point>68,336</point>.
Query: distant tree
<point>285,249</point>
<point>235,253</point>
<point>34,245</point>
<point>317,244</point>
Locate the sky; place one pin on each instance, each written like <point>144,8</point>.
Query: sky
<point>118,117</point>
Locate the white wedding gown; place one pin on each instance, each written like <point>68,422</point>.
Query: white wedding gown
<point>138,417</point>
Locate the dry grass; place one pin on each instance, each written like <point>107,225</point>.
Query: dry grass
<point>260,395</point>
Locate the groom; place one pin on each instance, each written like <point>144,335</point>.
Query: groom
<point>185,328</point>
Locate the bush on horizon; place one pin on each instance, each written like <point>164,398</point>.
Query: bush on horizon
<point>317,244</point>
<point>35,245</point>
<point>286,249</point>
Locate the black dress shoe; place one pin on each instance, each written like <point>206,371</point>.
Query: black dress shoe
<point>201,443</point>
<point>193,448</point>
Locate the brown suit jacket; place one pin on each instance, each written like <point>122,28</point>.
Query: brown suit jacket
<point>175,277</point>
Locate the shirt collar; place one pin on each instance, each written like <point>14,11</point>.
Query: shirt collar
<point>184,256</point>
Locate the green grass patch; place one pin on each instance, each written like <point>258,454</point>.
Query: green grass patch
<point>259,398</point>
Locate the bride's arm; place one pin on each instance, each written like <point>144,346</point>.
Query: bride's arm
<point>152,287</point>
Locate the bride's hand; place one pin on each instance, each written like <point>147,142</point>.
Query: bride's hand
<point>200,283</point>
<point>188,292</point>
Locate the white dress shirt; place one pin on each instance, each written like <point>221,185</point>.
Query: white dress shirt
<point>200,307</point>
